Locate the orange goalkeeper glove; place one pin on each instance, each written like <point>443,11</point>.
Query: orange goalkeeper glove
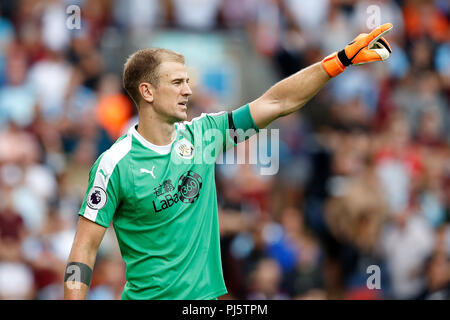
<point>363,49</point>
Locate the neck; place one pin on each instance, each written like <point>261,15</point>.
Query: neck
<point>154,129</point>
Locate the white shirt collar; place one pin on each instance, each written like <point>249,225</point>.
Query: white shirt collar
<point>158,149</point>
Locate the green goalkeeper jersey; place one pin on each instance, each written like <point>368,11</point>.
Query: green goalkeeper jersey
<point>163,206</point>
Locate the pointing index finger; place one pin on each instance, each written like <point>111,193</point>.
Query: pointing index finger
<point>378,32</point>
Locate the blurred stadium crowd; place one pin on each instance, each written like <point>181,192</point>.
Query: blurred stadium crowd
<point>364,173</point>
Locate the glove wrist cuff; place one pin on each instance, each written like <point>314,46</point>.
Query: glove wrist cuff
<point>333,65</point>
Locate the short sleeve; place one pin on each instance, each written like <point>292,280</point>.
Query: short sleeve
<point>213,130</point>
<point>102,195</point>
<point>227,128</point>
<point>241,123</point>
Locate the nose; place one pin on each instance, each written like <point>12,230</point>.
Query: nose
<point>186,90</point>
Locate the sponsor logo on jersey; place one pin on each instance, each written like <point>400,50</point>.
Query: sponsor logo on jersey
<point>184,149</point>
<point>149,172</point>
<point>104,174</point>
<point>187,191</point>
<point>189,186</point>
<point>164,188</point>
<point>97,198</point>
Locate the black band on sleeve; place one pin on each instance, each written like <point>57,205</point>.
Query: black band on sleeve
<point>241,124</point>
<point>78,272</point>
<point>231,121</point>
<point>232,127</point>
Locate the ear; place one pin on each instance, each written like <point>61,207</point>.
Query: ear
<point>146,91</point>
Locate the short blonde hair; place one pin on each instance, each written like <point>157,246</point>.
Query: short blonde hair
<point>142,66</point>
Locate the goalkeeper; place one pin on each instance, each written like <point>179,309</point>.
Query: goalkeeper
<point>161,202</point>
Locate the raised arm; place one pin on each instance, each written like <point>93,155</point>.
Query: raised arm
<point>292,93</point>
<point>288,95</point>
<point>82,258</point>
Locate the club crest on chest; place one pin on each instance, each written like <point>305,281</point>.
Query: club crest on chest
<point>184,149</point>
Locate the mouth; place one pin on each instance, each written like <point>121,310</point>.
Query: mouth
<point>183,104</point>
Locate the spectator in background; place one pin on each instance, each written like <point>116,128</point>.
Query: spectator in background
<point>309,16</point>
<point>97,15</point>
<point>357,211</point>
<point>73,181</point>
<point>303,279</point>
<point>264,27</point>
<point>295,163</point>
<point>108,280</point>
<point>431,192</point>
<point>235,14</point>
<point>405,245</point>
<point>423,19</point>
<point>46,252</point>
<point>194,15</point>
<point>438,278</point>
<point>17,99</point>
<point>430,131</point>
<point>19,152</point>
<point>16,278</point>
<point>336,32</point>
<point>26,17</point>
<point>265,281</point>
<point>137,16</point>
<point>49,78</point>
<point>55,35</point>
<point>399,165</point>
<point>114,109</point>
<point>354,214</point>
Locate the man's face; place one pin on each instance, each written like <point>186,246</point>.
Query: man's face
<point>171,96</point>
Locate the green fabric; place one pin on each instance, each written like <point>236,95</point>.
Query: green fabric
<point>243,119</point>
<point>166,226</point>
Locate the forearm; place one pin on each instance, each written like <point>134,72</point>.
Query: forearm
<point>295,91</point>
<point>289,94</point>
<point>75,284</point>
<point>82,258</point>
